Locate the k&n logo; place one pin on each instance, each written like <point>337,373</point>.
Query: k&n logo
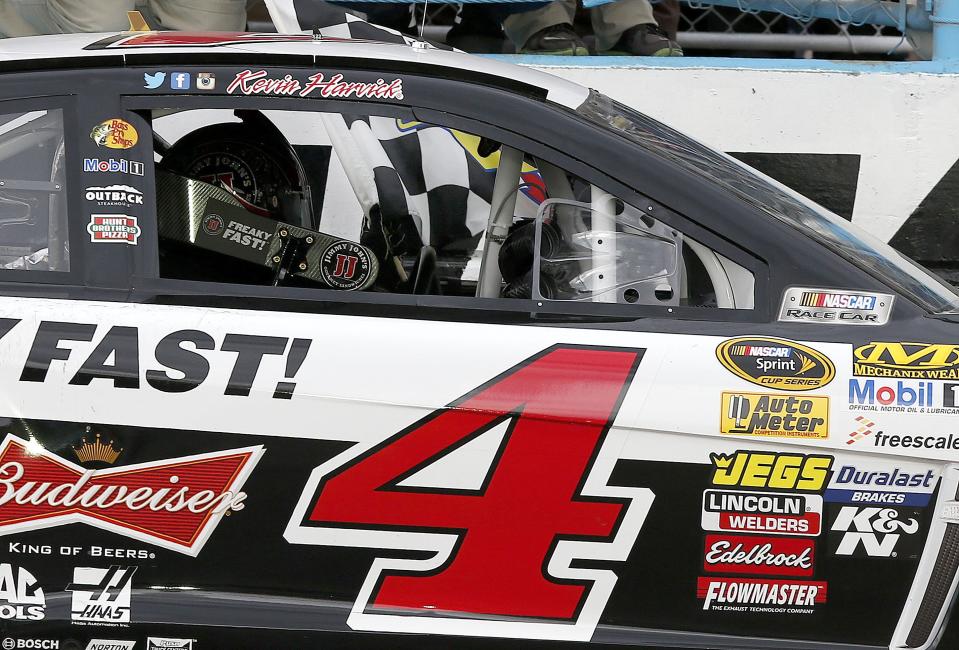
<point>872,531</point>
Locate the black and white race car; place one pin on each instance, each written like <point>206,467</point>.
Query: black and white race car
<point>310,342</point>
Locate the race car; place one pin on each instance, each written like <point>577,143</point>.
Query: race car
<point>315,341</point>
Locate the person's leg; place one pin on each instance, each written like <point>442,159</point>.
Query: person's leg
<point>628,27</point>
<point>209,15</point>
<point>666,13</point>
<point>546,30</point>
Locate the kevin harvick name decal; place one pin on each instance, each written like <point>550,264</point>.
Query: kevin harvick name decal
<point>249,82</point>
<point>173,503</point>
<point>506,558</point>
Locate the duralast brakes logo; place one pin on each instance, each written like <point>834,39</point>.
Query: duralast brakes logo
<point>754,469</point>
<point>777,416</point>
<point>175,503</point>
<point>907,360</point>
<point>776,363</point>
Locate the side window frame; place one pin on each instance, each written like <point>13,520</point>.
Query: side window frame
<point>13,279</point>
<point>153,287</point>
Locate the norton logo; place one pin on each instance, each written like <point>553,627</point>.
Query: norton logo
<point>907,360</point>
<point>21,597</point>
<point>174,503</point>
<point>776,363</point>
<point>779,416</point>
<point>115,134</point>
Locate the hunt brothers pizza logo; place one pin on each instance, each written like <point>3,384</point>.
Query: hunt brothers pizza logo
<point>249,82</point>
<point>175,504</point>
<point>111,228</point>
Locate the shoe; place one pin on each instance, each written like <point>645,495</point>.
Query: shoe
<point>559,40</point>
<point>645,40</point>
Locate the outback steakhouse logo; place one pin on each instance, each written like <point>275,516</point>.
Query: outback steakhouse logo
<point>907,360</point>
<point>776,363</point>
<point>173,503</point>
<point>249,82</point>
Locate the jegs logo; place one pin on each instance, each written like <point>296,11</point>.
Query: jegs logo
<point>505,555</point>
<point>175,504</point>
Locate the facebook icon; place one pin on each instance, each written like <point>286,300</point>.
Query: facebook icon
<point>180,81</point>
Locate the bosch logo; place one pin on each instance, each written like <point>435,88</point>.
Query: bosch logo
<point>9,644</point>
<point>38,644</point>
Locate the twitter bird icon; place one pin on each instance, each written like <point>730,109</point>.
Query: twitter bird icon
<point>154,80</point>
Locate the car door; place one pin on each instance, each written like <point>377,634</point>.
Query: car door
<point>229,448</point>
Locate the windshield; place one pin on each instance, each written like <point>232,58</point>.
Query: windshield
<point>841,236</point>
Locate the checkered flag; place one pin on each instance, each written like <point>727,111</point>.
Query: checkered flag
<point>292,16</point>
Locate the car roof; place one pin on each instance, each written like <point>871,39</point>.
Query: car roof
<point>56,51</point>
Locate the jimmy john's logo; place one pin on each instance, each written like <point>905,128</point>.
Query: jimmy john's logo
<point>776,363</point>
<point>175,503</point>
<point>345,265</point>
<point>777,416</point>
<point>907,360</point>
<point>754,469</point>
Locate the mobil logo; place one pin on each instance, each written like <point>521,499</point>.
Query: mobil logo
<point>901,393</point>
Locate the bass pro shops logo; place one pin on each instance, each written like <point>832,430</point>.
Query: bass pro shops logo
<point>515,554</point>
<point>175,504</point>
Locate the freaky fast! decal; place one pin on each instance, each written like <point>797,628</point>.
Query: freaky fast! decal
<point>174,503</point>
<point>504,554</point>
<point>776,363</point>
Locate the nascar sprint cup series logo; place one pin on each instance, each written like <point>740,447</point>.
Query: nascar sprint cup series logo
<point>776,363</point>
<point>835,307</point>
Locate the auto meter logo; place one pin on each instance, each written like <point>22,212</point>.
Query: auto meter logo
<point>907,360</point>
<point>776,363</point>
<point>175,504</point>
<point>775,416</point>
<point>115,134</point>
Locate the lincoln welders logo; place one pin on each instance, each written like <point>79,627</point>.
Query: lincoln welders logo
<point>175,503</point>
<point>212,224</point>
<point>345,265</point>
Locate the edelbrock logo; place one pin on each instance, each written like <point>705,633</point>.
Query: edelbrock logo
<point>101,595</point>
<point>21,597</point>
<point>42,490</point>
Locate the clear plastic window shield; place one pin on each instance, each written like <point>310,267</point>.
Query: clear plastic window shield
<point>605,251</point>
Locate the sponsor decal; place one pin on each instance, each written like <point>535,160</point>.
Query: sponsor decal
<point>890,486</point>
<point>113,228</point>
<point>760,595</point>
<point>779,416</point>
<point>96,451</point>
<point>205,81</point>
<point>115,134</point>
<point>753,469</point>
<point>345,265</point>
<point>784,556</point>
<point>531,587</point>
<point>213,224</point>
<point>24,548</point>
<point>776,363</point>
<point>110,644</point>
<point>896,441</point>
<point>21,597</point>
<point>762,512</point>
<point>907,360</point>
<point>9,643</point>
<point>950,397</point>
<point>114,195</point>
<point>113,166</point>
<point>174,503</point>
<point>249,82</point>
<point>101,596</point>
<point>864,427</point>
<point>874,531</point>
<point>899,397</point>
<point>164,643</point>
<point>835,307</point>
<point>153,80</point>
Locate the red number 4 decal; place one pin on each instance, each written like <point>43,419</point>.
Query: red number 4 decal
<point>502,554</point>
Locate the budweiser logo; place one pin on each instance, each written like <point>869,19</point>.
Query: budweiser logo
<point>173,503</point>
<point>773,555</point>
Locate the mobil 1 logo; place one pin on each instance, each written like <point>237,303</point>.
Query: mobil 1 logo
<point>875,531</point>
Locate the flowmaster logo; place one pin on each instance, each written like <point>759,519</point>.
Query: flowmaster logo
<point>21,597</point>
<point>101,595</point>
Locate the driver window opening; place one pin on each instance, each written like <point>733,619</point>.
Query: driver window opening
<point>384,204</point>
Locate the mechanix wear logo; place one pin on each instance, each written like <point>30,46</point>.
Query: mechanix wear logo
<point>776,363</point>
<point>778,416</point>
<point>907,360</point>
<point>101,595</point>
